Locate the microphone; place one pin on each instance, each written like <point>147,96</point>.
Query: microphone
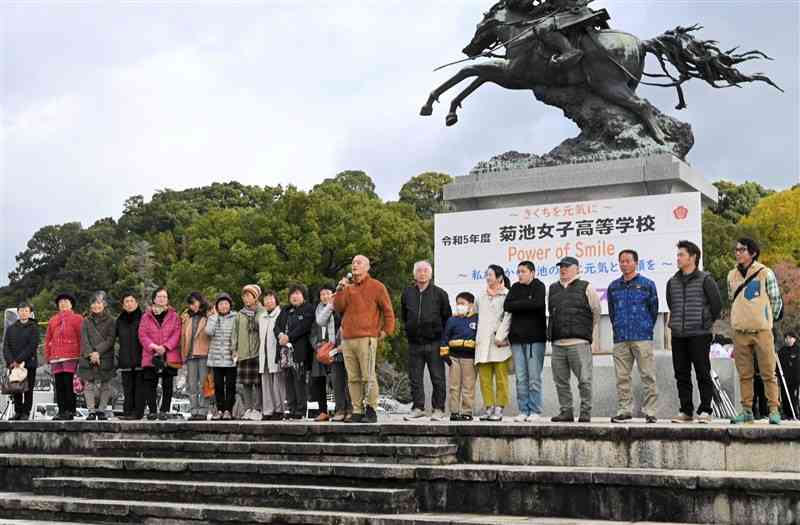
<point>349,276</point>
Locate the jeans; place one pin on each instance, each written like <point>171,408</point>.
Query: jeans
<point>688,352</point>
<point>420,355</point>
<point>528,365</point>
<point>196,372</point>
<point>567,360</point>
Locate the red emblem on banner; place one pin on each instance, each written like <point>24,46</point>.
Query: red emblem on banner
<point>681,212</point>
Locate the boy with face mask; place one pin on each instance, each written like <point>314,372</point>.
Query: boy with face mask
<point>458,351</point>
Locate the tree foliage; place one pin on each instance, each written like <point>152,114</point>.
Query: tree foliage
<point>775,222</point>
<point>425,193</point>
<point>736,200</point>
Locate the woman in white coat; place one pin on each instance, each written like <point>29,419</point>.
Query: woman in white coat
<point>492,350</point>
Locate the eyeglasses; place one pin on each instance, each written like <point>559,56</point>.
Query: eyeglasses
<point>740,249</point>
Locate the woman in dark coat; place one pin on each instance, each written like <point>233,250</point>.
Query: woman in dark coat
<point>96,366</point>
<point>129,357</point>
<point>20,345</point>
<point>294,329</point>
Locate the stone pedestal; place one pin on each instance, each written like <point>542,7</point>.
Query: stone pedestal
<point>508,186</point>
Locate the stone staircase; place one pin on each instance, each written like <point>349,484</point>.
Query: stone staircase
<point>244,472</point>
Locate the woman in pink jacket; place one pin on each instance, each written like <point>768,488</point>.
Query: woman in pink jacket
<point>160,335</point>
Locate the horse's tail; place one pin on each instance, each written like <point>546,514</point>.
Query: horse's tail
<point>703,59</point>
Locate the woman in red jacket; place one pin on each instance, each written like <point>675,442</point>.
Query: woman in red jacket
<point>62,349</point>
<point>160,335</point>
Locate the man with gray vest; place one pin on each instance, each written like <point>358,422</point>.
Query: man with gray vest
<point>574,309</point>
<point>694,304</point>
<point>755,303</point>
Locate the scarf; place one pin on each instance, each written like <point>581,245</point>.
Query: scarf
<point>252,329</point>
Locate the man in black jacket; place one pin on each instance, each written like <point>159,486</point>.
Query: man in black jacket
<point>528,337</point>
<point>20,345</point>
<point>694,304</point>
<point>425,309</point>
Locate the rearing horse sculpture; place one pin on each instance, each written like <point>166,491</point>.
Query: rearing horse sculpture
<point>612,65</point>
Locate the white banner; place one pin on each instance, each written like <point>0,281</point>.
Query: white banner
<point>594,232</point>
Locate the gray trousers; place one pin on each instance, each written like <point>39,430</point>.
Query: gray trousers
<point>575,359</point>
<point>273,393</point>
<point>97,395</point>
<point>251,397</point>
<point>196,371</point>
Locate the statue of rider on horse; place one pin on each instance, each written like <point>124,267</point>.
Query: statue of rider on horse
<point>568,56</point>
<point>554,18</point>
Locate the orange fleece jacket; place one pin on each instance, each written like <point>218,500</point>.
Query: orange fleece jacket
<point>366,309</point>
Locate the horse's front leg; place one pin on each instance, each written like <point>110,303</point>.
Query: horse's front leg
<point>452,117</point>
<point>466,72</point>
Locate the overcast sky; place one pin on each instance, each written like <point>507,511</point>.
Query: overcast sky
<point>104,100</point>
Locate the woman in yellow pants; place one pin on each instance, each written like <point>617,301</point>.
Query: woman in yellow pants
<point>492,351</point>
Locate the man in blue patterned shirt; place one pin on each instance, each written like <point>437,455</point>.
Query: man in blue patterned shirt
<point>633,309</point>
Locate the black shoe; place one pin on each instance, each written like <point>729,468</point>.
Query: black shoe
<point>91,417</point>
<point>24,417</point>
<point>296,416</point>
<point>356,418</point>
<point>162,416</point>
<point>456,417</point>
<point>563,418</point>
<point>619,418</point>
<point>370,416</point>
<point>585,419</point>
<point>101,416</point>
<point>466,417</point>
<point>68,416</point>
<point>152,416</point>
<point>651,419</point>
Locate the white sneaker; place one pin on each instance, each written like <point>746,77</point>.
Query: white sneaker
<point>534,418</point>
<point>437,415</point>
<point>415,414</point>
<point>257,415</point>
<point>522,418</point>
<point>488,414</point>
<point>246,414</point>
<point>209,416</point>
<point>497,414</point>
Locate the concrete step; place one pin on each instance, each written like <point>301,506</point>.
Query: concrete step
<point>305,497</point>
<point>283,450</point>
<point>50,509</point>
<point>637,445</point>
<point>696,496</point>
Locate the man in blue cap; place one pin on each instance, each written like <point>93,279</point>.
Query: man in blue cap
<point>574,309</point>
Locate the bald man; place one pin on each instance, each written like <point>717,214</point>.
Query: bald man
<point>367,317</point>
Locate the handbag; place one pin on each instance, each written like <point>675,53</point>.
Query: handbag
<point>77,384</point>
<point>326,352</point>
<point>286,353</point>
<point>208,385</point>
<point>286,357</point>
<point>16,381</point>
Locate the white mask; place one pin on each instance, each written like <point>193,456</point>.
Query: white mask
<point>462,309</point>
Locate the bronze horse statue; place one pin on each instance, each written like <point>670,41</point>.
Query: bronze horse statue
<point>612,65</point>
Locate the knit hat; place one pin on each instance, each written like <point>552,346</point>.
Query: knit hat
<point>65,295</point>
<point>223,297</point>
<point>252,289</point>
